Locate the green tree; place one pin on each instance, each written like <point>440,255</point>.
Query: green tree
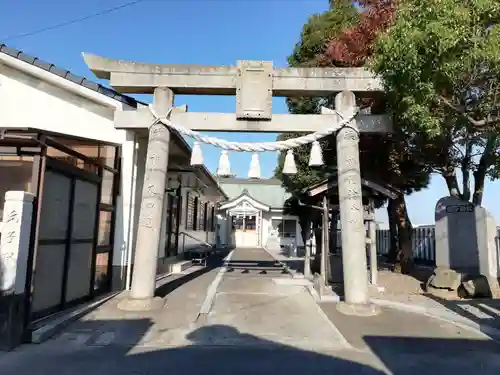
<point>440,64</point>
<point>345,38</point>
<point>313,41</point>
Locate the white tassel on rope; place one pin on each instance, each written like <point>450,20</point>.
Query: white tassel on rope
<point>289,167</point>
<point>196,154</point>
<point>254,171</point>
<point>224,168</point>
<point>316,156</point>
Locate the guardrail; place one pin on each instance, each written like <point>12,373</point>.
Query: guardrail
<point>194,238</point>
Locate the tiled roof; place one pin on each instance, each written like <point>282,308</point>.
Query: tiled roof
<point>266,191</point>
<point>82,81</point>
<point>66,74</point>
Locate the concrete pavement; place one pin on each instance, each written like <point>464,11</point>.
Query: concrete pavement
<point>254,305</point>
<point>255,325</point>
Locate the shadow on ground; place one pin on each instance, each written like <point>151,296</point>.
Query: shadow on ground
<point>169,285</point>
<point>216,349</point>
<point>220,349</point>
<point>263,266</point>
<point>484,312</point>
<point>439,356</point>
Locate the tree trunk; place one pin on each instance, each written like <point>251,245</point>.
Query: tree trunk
<point>466,164</point>
<point>393,231</point>
<point>477,198</point>
<point>480,174</point>
<point>405,229</point>
<point>450,178</point>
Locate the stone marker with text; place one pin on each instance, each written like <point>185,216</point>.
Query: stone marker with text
<point>14,251</point>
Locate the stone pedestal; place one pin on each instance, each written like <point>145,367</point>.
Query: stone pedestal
<point>465,238</point>
<point>14,252</point>
<point>466,252</point>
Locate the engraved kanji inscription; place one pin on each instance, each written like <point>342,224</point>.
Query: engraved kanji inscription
<point>157,130</point>
<point>350,162</point>
<point>12,217</point>
<point>355,207</point>
<point>153,160</point>
<point>349,180</point>
<point>352,193</point>
<point>147,221</point>
<point>151,190</point>
<point>350,135</point>
<point>8,256</point>
<point>9,236</point>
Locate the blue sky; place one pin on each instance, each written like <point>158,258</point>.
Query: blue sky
<point>208,32</point>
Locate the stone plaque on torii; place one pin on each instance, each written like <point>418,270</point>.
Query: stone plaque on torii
<point>254,83</point>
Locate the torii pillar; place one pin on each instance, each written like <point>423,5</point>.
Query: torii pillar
<point>254,83</point>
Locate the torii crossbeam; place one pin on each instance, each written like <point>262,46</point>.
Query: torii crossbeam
<point>254,83</point>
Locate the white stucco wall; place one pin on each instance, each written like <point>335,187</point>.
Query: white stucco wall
<point>226,230</point>
<point>27,101</point>
<point>267,217</point>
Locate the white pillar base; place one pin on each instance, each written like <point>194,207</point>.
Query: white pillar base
<point>353,309</point>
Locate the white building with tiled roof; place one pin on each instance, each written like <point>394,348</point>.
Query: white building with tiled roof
<point>255,214</point>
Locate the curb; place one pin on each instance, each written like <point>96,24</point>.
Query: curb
<point>47,331</point>
<point>318,299</point>
<point>212,289</point>
<point>448,317</point>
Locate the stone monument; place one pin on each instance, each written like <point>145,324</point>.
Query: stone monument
<point>465,248</point>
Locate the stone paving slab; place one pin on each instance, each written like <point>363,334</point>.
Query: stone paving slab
<point>251,311</point>
<point>293,320</point>
<point>408,343</point>
<point>393,323</point>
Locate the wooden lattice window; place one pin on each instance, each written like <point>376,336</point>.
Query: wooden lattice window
<point>202,216</point>
<point>196,209</point>
<point>210,213</point>
<point>190,212</point>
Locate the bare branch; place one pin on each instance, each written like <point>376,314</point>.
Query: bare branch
<point>461,110</point>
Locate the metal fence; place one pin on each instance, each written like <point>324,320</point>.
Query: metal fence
<point>423,244</point>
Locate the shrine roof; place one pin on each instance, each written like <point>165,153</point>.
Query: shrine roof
<point>330,186</point>
<point>267,191</point>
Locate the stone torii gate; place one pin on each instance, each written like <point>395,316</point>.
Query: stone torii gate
<point>254,83</point>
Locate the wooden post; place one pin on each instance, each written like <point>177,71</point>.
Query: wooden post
<point>151,211</point>
<point>373,245</point>
<point>324,245</point>
<point>307,255</point>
